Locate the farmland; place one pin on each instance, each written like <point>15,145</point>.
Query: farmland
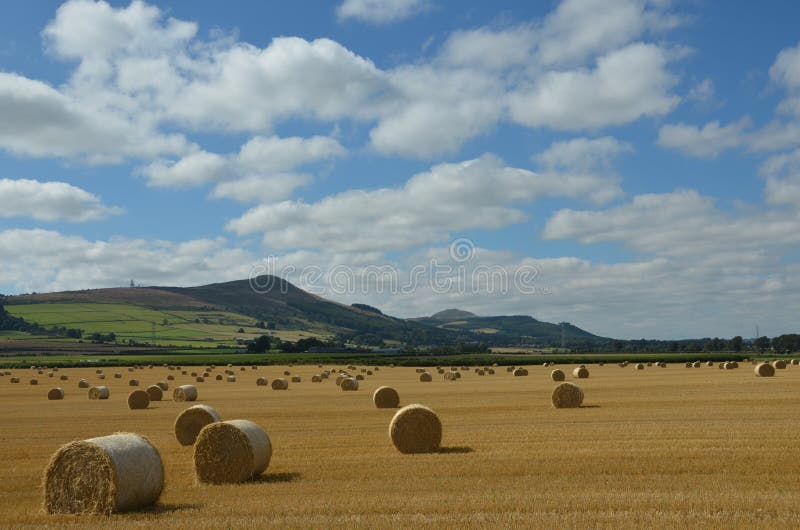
<point>669,447</point>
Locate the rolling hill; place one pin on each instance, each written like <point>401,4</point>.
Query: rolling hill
<point>221,313</point>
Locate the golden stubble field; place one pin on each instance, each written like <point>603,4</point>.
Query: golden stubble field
<point>655,448</point>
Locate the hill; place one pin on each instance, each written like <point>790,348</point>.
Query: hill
<point>505,330</point>
<point>222,314</point>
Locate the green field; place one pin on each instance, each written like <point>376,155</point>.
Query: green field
<point>195,328</point>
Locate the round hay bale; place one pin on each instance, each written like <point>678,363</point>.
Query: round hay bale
<point>581,372</point>
<point>199,379</point>
<point>170,377</point>
<point>639,366</point>
<point>765,370</point>
<point>360,377</point>
<point>64,377</point>
<point>163,385</point>
<point>779,364</point>
<point>99,392</point>
<point>369,372</point>
<point>98,371</point>
<point>15,379</point>
<point>280,383</point>
<point>349,383</point>
<point>557,375</point>
<point>52,374</point>
<point>231,378</point>
<point>287,372</point>
<point>450,376</point>
<point>709,363</point>
<point>386,397</point>
<point>218,377</point>
<point>116,473</point>
<point>425,377</point>
<point>101,376</point>
<point>688,364</point>
<point>697,364</point>
<point>316,378</point>
<point>34,382</point>
<point>155,393</point>
<point>723,366</point>
<point>567,395</point>
<point>185,393</point>
<point>117,375</point>
<point>241,368</point>
<point>55,394</point>
<point>262,381</point>
<point>438,370</point>
<point>297,379</point>
<point>133,382</point>
<point>83,383</point>
<point>479,371</point>
<point>520,372</point>
<point>490,371</point>
<point>231,452</point>
<point>416,429</point>
<point>138,399</point>
<point>191,421</point>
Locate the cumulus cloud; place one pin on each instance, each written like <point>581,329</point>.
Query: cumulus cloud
<point>625,85</point>
<point>54,261</point>
<point>38,120</point>
<point>706,142</point>
<point>680,223</point>
<point>50,201</point>
<point>381,11</point>
<point>583,153</point>
<point>478,193</point>
<point>265,160</point>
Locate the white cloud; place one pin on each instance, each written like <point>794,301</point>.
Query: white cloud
<point>578,29</point>
<point>262,189</point>
<point>702,91</point>
<point>261,161</point>
<point>626,84</point>
<point>783,179</point>
<point>40,121</point>
<point>45,260</point>
<point>706,142</point>
<point>786,68</point>
<point>50,201</point>
<point>584,154</point>
<point>381,11</point>
<point>681,223</point>
<point>478,193</point>
<point>489,49</point>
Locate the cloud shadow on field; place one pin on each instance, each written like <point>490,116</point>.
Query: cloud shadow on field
<point>278,477</point>
<point>455,450</point>
<point>171,508</point>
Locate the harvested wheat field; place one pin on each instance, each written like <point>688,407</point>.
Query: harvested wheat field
<point>701,448</point>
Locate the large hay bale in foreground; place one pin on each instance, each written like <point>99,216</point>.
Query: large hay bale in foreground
<point>99,392</point>
<point>279,383</point>
<point>231,451</point>
<point>567,395</point>
<point>138,400</point>
<point>416,429</point>
<point>185,393</point>
<point>191,421</point>
<point>116,473</point>
<point>557,375</point>
<point>425,377</point>
<point>349,384</point>
<point>779,364</point>
<point>55,394</point>
<point>386,397</point>
<point>764,370</point>
<point>155,393</point>
<point>581,372</point>
<point>262,381</point>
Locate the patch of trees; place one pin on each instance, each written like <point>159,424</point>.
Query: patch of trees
<point>103,337</point>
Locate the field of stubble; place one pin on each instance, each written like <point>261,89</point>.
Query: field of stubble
<point>658,448</point>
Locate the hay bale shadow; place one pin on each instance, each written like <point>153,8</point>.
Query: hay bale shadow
<point>278,477</point>
<point>455,450</point>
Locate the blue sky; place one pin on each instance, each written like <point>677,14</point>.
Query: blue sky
<point>640,157</point>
